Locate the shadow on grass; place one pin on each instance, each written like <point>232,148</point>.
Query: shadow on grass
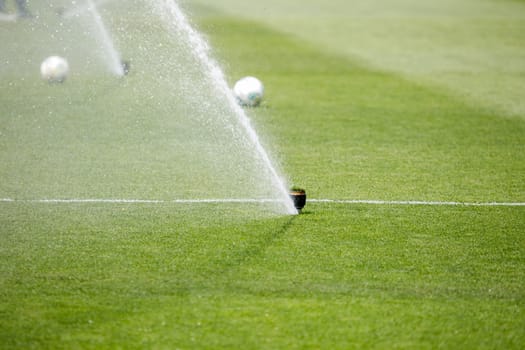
<point>254,249</point>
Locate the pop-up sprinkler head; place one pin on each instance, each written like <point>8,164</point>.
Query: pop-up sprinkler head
<point>125,67</point>
<point>298,196</point>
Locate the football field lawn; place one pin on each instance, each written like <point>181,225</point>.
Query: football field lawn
<point>403,120</point>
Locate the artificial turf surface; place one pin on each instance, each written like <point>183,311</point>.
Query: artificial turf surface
<point>211,276</point>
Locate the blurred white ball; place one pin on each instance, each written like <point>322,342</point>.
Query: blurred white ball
<point>249,91</point>
<point>54,69</point>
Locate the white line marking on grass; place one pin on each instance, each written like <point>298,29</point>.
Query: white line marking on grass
<point>95,201</point>
<point>81,200</point>
<point>435,203</point>
<point>143,201</point>
<point>252,200</point>
<point>226,200</point>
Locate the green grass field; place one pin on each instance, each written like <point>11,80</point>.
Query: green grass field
<point>347,122</point>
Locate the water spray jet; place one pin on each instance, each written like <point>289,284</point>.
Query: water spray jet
<point>184,34</point>
<point>114,58</point>
<point>78,10</point>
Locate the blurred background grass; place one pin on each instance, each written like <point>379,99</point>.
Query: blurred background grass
<point>474,49</point>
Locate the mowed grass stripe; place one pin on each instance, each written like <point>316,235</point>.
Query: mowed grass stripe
<point>106,276</point>
<point>345,131</point>
<point>471,48</point>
